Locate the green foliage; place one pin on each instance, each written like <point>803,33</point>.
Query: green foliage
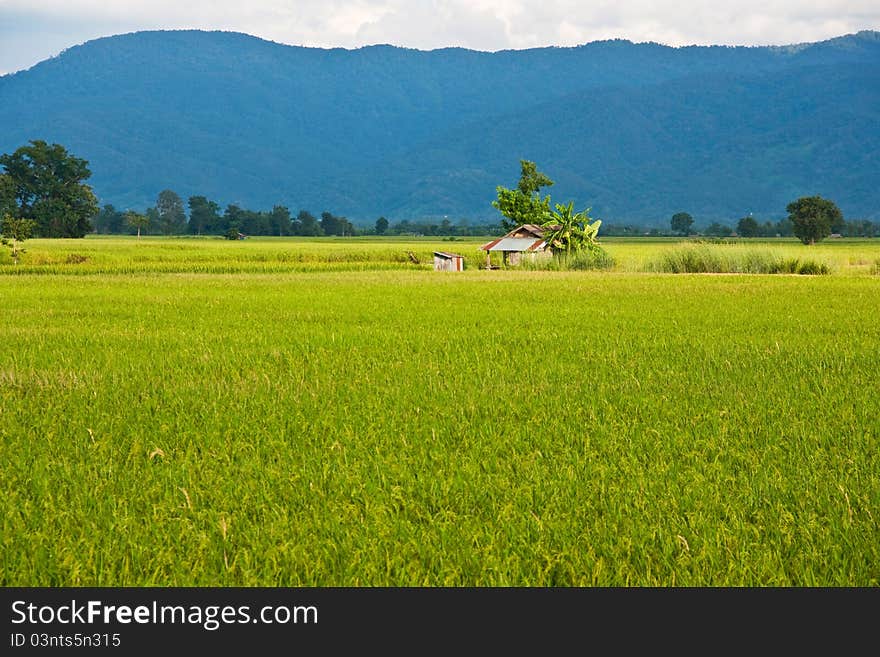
<point>49,189</point>
<point>703,258</point>
<point>15,231</point>
<point>524,204</point>
<point>204,216</point>
<point>812,218</point>
<point>280,221</point>
<point>137,220</point>
<point>109,220</point>
<point>8,205</point>
<point>307,225</point>
<point>716,229</point>
<point>747,227</point>
<point>171,215</point>
<point>381,226</point>
<point>333,225</point>
<point>590,259</point>
<point>567,231</point>
<point>531,180</point>
<point>681,223</point>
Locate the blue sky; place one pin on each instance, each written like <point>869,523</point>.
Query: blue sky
<point>33,30</point>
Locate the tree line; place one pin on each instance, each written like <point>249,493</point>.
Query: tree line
<point>44,193</point>
<point>169,217</point>
<point>744,227</point>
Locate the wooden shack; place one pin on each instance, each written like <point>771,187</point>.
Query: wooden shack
<point>526,241</point>
<point>444,261</point>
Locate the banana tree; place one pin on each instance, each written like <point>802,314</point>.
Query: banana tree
<point>567,231</point>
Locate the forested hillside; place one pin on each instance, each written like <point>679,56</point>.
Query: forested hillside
<point>637,131</point>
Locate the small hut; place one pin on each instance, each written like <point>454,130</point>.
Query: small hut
<point>526,241</point>
<point>448,261</point>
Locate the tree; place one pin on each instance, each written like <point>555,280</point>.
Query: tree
<point>305,224</point>
<point>718,230</point>
<point>530,179</point>
<point>137,220</point>
<point>48,188</point>
<point>333,225</point>
<point>16,231</point>
<point>172,218</point>
<point>812,217</point>
<point>204,216</point>
<point>109,220</point>
<point>681,223</point>
<point>8,206</point>
<point>280,220</point>
<point>524,204</point>
<point>381,226</point>
<point>233,217</point>
<point>567,231</point>
<point>747,227</point>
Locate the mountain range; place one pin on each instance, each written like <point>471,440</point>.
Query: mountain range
<point>634,131</point>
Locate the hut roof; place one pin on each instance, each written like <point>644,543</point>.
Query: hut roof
<point>532,229</point>
<point>515,244</point>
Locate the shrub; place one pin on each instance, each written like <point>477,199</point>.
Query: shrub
<point>589,259</point>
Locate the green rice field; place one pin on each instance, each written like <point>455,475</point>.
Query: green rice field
<point>327,412</point>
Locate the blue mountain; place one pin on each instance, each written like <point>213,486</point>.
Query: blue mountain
<point>636,131</point>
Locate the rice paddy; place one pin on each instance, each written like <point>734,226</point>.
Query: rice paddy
<point>330,413</point>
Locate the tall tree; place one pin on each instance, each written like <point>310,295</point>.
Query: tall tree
<point>333,225</point>
<point>204,216</point>
<point>812,218</point>
<point>381,226</point>
<point>747,227</point>
<point>279,219</point>
<point>137,220</point>
<point>524,204</point>
<point>48,188</point>
<point>233,218</point>
<point>681,223</point>
<point>8,206</point>
<point>172,217</point>
<point>306,224</point>
<point>109,220</point>
<point>530,179</point>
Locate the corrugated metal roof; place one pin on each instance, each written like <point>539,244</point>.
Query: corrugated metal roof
<point>515,244</point>
<point>444,254</point>
<point>533,229</point>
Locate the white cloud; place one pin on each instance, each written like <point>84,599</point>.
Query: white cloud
<point>31,30</point>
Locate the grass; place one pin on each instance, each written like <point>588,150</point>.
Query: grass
<point>212,255</point>
<point>704,258</point>
<point>843,257</point>
<point>417,428</point>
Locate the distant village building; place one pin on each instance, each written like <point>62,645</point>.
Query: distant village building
<point>448,261</point>
<point>526,241</point>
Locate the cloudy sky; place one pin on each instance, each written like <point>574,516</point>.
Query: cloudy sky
<point>33,30</point>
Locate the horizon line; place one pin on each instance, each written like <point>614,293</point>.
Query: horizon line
<point>782,46</point>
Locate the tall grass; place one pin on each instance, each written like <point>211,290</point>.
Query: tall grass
<point>586,260</point>
<point>714,258</point>
<point>99,255</point>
